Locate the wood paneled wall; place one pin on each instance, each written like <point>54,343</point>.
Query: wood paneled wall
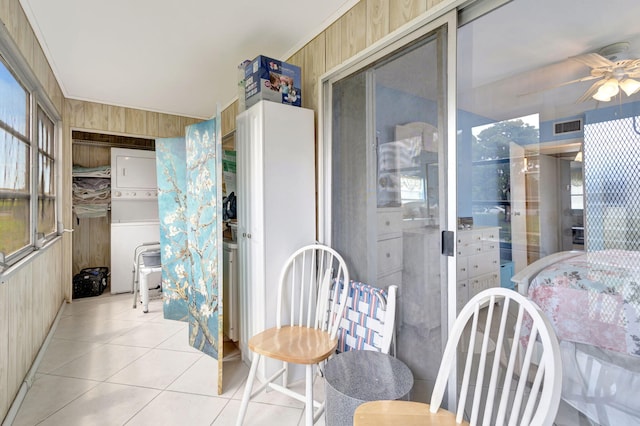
<point>31,296</point>
<point>92,237</point>
<point>360,27</point>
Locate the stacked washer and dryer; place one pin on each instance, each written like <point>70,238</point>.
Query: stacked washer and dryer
<point>134,213</point>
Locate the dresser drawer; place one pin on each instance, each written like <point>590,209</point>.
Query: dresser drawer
<point>463,268</point>
<point>389,222</point>
<point>389,255</point>
<point>489,246</point>
<point>492,235</point>
<point>483,263</point>
<point>476,285</point>
<point>462,294</point>
<point>466,238</point>
<point>470,250</point>
<point>394,278</point>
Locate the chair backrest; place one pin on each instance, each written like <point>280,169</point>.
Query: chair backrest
<point>512,362</point>
<point>304,287</point>
<point>368,320</point>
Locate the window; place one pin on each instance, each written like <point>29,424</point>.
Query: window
<point>577,187</point>
<point>46,176</point>
<point>27,168</point>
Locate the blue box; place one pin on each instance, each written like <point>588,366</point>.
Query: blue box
<point>272,80</point>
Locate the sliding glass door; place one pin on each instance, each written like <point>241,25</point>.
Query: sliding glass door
<point>385,152</point>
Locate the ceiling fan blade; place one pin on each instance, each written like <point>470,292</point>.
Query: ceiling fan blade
<point>593,60</point>
<point>632,67</point>
<point>578,80</point>
<point>566,83</point>
<point>591,91</point>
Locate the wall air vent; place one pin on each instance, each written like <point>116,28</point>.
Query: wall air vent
<point>563,127</point>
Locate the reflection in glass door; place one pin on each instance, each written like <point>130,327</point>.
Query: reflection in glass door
<point>388,129</point>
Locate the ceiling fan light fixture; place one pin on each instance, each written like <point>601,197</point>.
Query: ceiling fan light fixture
<point>610,88</point>
<point>630,86</point>
<point>600,96</point>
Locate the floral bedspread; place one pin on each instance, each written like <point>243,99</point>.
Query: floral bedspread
<point>594,299</point>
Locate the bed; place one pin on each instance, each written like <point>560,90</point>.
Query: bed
<point>593,301</point>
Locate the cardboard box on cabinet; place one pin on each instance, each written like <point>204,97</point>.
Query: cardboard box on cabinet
<point>272,80</point>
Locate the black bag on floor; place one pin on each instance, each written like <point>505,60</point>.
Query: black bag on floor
<point>90,282</point>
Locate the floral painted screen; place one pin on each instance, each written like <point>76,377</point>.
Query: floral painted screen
<point>189,174</point>
<point>204,230</point>
<point>171,168</point>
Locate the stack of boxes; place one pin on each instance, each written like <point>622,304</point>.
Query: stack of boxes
<point>272,80</point>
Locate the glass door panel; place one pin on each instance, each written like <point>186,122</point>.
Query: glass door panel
<point>387,170</point>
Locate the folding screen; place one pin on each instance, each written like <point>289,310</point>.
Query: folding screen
<point>171,160</point>
<point>190,203</point>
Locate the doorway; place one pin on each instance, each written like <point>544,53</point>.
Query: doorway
<point>91,201</point>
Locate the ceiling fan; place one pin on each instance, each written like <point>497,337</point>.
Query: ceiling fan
<point>613,69</point>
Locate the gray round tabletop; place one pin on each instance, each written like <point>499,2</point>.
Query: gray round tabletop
<point>354,377</point>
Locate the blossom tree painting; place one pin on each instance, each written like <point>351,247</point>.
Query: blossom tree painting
<point>204,230</point>
<point>171,160</point>
<point>189,174</point>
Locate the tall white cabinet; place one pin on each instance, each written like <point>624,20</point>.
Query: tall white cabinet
<point>276,207</point>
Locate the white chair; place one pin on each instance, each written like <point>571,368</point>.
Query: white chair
<point>368,322</point>
<point>514,369</point>
<point>141,272</point>
<point>309,338</point>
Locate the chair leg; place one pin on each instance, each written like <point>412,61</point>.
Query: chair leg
<point>285,375</point>
<point>247,389</point>
<point>135,289</point>
<point>309,396</point>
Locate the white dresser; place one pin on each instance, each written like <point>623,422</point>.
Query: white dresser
<point>478,253</point>
<point>389,246</point>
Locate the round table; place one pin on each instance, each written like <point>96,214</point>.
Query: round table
<point>354,377</point>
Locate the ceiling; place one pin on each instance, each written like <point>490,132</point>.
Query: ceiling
<point>181,57</point>
<point>177,57</point>
<point>511,67</point>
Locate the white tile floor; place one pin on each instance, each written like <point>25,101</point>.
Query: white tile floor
<point>110,364</point>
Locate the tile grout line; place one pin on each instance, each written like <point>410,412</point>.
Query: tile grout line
<point>28,380</point>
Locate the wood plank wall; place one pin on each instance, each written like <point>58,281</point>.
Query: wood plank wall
<point>360,27</point>
<point>91,236</point>
<point>32,295</point>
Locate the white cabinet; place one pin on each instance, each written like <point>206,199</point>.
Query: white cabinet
<point>478,262</point>
<point>276,206</point>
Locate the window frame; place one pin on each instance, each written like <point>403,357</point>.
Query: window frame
<point>43,155</point>
<point>39,103</point>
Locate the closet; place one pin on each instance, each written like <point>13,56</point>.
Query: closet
<point>92,235</point>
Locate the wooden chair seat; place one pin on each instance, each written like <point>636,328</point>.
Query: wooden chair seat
<point>297,345</point>
<point>405,413</point>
